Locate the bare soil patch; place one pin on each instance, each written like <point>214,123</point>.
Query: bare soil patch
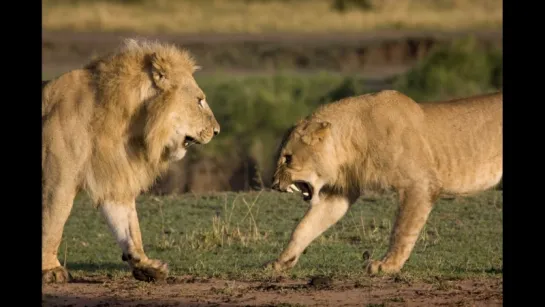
<point>188,291</point>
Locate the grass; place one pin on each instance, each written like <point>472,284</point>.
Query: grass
<point>230,235</point>
<point>259,16</point>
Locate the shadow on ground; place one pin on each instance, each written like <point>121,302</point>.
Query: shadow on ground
<point>75,301</point>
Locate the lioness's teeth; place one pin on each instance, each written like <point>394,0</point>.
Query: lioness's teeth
<point>186,143</point>
<point>294,187</point>
<point>305,193</point>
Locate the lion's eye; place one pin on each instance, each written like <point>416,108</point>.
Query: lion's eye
<point>200,101</point>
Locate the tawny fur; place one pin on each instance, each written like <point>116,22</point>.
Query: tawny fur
<point>112,127</point>
<point>386,140</point>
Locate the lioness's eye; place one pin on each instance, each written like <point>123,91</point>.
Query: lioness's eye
<point>200,101</point>
<point>287,159</point>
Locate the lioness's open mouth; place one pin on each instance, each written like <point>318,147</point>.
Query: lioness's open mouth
<point>188,141</point>
<point>304,187</point>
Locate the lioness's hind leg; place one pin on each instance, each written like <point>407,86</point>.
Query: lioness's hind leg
<point>321,215</point>
<point>123,222</point>
<point>56,207</point>
<point>414,209</point>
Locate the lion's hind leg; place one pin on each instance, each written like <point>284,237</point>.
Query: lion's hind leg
<point>123,222</point>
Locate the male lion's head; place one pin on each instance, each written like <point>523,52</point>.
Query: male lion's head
<point>304,161</point>
<point>179,115</point>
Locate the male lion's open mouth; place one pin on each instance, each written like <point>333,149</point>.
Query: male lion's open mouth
<point>303,187</point>
<point>188,141</point>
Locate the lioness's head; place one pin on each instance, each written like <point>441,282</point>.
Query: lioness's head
<point>303,163</point>
<point>178,116</point>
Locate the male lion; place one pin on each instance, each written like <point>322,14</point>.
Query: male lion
<point>110,129</point>
<point>386,140</point>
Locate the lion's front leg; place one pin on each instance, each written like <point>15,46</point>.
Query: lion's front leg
<point>321,215</point>
<point>122,219</point>
<point>414,209</point>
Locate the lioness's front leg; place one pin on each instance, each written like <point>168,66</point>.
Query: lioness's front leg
<point>123,222</point>
<point>414,208</point>
<point>321,215</point>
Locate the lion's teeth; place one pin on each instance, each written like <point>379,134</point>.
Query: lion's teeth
<point>294,187</point>
<point>186,143</point>
<point>305,193</point>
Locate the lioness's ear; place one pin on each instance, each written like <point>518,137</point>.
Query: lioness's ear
<point>316,132</point>
<point>159,71</point>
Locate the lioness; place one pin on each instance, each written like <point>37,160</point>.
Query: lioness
<point>110,129</point>
<point>386,140</point>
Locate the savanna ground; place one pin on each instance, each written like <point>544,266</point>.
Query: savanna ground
<point>267,63</point>
<point>216,244</point>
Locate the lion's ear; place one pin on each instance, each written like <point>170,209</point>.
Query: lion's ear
<point>315,132</point>
<point>160,72</point>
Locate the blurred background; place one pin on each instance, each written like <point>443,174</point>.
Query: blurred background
<point>268,63</point>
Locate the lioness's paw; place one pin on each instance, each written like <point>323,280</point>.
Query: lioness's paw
<point>279,266</point>
<point>56,275</point>
<point>375,266</point>
<point>150,270</point>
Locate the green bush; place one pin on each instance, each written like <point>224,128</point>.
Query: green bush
<point>346,5</point>
<point>254,112</point>
<point>458,69</point>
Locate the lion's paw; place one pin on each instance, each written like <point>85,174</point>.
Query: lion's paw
<point>57,275</point>
<point>151,270</point>
<point>375,267</point>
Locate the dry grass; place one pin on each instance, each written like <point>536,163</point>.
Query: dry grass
<point>147,16</point>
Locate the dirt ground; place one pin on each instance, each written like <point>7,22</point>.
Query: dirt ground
<point>378,55</point>
<point>187,291</point>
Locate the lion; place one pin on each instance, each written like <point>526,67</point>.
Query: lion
<point>110,129</point>
<point>386,141</point>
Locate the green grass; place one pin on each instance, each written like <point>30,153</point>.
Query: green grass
<point>231,235</point>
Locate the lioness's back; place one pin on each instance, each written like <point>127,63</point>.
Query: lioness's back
<point>466,135</point>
